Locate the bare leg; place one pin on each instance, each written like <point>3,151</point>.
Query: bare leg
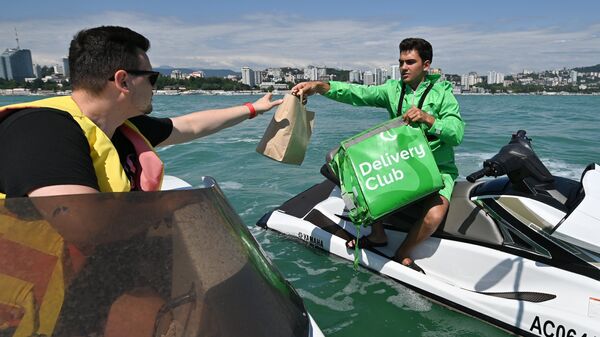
<point>435,208</point>
<point>133,314</point>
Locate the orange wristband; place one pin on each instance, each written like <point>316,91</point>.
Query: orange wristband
<point>252,110</point>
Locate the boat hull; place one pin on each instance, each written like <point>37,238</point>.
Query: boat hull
<point>513,292</point>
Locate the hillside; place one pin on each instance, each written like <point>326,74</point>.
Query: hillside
<point>595,68</point>
<point>166,71</point>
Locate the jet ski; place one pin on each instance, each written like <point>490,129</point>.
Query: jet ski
<point>186,244</point>
<point>520,251</point>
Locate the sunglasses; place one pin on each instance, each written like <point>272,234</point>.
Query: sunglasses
<point>152,75</point>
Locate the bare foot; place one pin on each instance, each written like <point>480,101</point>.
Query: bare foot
<point>405,261</point>
<point>408,262</point>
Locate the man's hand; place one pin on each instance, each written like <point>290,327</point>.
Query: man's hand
<point>310,88</point>
<point>415,114</point>
<point>265,103</point>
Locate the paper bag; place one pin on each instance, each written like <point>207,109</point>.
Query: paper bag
<point>288,134</point>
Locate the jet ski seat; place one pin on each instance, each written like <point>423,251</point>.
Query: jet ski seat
<point>468,221</point>
<point>328,173</point>
<point>326,170</point>
<point>464,220</point>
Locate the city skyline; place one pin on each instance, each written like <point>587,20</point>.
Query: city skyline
<point>467,36</point>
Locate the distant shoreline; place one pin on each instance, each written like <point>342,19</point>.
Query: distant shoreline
<point>21,92</point>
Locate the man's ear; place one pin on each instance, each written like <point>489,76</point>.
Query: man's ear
<point>121,80</point>
<point>426,65</point>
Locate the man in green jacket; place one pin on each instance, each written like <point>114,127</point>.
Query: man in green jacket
<point>424,101</point>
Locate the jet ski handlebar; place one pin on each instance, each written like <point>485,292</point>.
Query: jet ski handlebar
<point>490,168</point>
<point>517,160</point>
<point>473,177</point>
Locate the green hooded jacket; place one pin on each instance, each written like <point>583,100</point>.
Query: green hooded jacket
<point>448,128</point>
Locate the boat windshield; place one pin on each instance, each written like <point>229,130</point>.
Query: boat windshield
<point>80,254</point>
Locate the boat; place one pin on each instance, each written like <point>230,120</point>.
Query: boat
<point>197,255</point>
<point>520,251</point>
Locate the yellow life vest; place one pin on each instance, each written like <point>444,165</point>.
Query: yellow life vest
<point>35,262</point>
<point>32,276</point>
<point>105,158</point>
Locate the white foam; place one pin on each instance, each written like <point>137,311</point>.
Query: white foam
<point>456,326</point>
<point>405,298</point>
<point>343,304</point>
<point>311,271</point>
<point>444,333</point>
<point>236,140</point>
<point>357,286</point>
<point>163,148</point>
<point>469,162</point>
<point>231,185</point>
<point>249,210</point>
<point>562,169</point>
<point>338,327</point>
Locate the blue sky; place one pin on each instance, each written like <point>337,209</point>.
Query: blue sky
<point>508,36</point>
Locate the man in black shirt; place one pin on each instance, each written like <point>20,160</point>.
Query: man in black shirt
<point>88,143</point>
<point>44,151</point>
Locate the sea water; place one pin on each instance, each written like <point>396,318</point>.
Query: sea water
<point>345,302</point>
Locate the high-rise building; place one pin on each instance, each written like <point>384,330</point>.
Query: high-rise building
<point>177,74</point>
<point>15,64</point>
<point>395,72</point>
<point>311,73</point>
<point>467,80</point>
<point>57,68</point>
<point>258,76</point>
<point>37,70</point>
<point>379,76</point>
<point>573,76</point>
<point>355,76</point>
<point>495,78</point>
<point>248,76</point>
<point>197,74</point>
<point>436,71</point>
<point>321,72</point>
<point>66,70</point>
<point>368,78</point>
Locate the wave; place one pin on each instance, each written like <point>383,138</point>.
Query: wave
<point>231,185</point>
<point>469,162</point>
<point>236,140</point>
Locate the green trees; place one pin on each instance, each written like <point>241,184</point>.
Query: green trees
<point>9,84</point>
<point>197,83</point>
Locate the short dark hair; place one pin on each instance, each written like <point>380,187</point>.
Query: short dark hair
<point>421,46</point>
<point>97,53</point>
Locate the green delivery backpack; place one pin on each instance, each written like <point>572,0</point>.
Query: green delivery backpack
<point>383,169</point>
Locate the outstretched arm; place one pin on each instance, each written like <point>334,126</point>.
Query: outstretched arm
<point>310,88</point>
<point>203,123</point>
<point>355,94</point>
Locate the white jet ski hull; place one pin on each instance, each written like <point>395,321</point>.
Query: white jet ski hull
<point>513,292</point>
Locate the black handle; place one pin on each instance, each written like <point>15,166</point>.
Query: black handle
<point>476,175</point>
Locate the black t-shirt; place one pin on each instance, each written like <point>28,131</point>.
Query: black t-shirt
<point>45,147</point>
